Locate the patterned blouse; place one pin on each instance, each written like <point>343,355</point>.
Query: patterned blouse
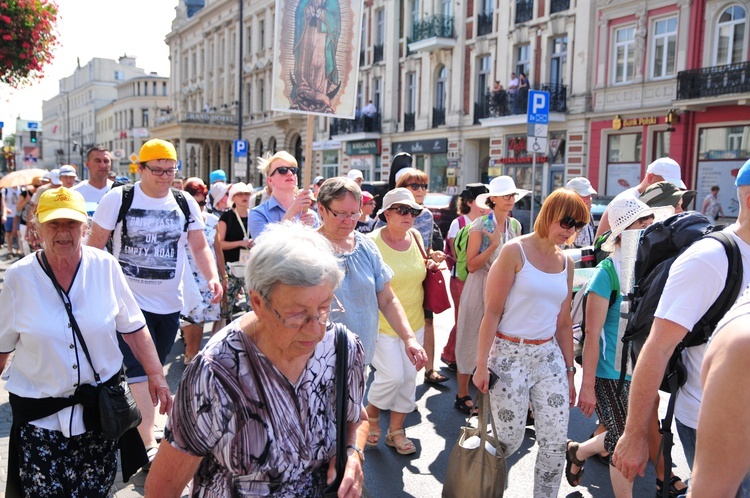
<point>258,434</point>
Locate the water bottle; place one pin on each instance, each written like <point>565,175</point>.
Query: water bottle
<point>488,226</point>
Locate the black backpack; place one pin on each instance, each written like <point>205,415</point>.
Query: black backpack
<point>658,248</point>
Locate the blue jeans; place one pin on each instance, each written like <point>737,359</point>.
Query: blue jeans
<point>687,438</point>
<point>163,330</point>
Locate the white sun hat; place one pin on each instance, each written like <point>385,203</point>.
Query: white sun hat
<point>499,186</point>
<point>625,211</point>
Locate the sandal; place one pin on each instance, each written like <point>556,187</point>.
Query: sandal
<point>403,445</point>
<point>373,436</point>
<point>461,404</point>
<point>437,379</point>
<point>570,460</point>
<point>674,491</point>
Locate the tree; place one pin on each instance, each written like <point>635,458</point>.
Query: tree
<point>27,38</point>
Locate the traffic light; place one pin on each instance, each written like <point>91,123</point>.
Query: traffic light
<point>32,136</point>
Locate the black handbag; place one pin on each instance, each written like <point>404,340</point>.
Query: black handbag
<point>342,396</point>
<point>117,409</point>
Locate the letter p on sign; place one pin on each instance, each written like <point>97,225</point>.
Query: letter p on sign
<point>538,107</point>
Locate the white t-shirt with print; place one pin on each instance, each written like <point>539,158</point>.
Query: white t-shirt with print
<point>152,256</point>
<point>695,280</point>
<point>91,193</point>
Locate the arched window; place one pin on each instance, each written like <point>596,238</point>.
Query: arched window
<point>272,145</point>
<point>730,36</point>
<point>440,87</point>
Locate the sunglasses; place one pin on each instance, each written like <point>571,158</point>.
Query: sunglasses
<point>283,170</point>
<point>569,222</point>
<point>404,210</point>
<point>417,186</point>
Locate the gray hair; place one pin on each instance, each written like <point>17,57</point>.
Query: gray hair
<point>336,188</point>
<point>291,253</point>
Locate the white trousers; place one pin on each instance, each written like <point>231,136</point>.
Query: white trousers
<point>395,380</point>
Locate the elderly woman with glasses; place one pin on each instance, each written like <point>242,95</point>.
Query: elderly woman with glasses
<point>254,413</point>
<point>394,384</point>
<point>526,337</point>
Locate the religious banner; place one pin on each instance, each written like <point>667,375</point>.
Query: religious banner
<point>316,56</point>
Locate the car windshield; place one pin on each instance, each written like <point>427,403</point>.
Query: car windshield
<point>436,200</point>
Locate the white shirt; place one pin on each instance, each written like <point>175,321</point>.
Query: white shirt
<point>35,324</point>
<point>695,280</point>
<point>91,193</point>
<point>513,85</point>
<point>455,226</point>
<point>11,196</point>
<point>153,256</point>
<point>370,110</point>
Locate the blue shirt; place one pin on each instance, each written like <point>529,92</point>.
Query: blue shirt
<point>269,212</point>
<point>365,274</point>
<point>601,285</point>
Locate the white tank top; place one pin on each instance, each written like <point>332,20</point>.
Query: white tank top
<point>534,302</point>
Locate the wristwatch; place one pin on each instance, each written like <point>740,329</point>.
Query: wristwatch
<point>359,452</point>
<point>571,369</point>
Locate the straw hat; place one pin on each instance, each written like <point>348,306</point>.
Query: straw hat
<point>625,211</point>
<point>500,186</point>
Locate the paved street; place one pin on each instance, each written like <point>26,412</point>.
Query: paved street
<point>433,428</point>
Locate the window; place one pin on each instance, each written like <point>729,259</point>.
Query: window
<point>164,89</point>
<point>249,40</point>
<point>119,75</point>
<point>249,100</point>
<point>484,68</point>
<point>262,94</point>
<point>559,60</point>
<point>624,66</point>
<point>330,163</point>
<point>262,34</point>
<point>380,27</point>
<point>664,48</point>
<point>661,144</point>
<point>414,14</point>
<point>360,101</point>
<point>144,118</point>
<point>523,58</point>
<point>623,162</point>
<point>411,93</point>
<point>730,36</point>
<point>440,88</point>
<point>487,6</point>
<point>377,84</point>
<point>446,8</point>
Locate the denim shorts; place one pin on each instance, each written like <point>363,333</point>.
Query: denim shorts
<point>163,330</point>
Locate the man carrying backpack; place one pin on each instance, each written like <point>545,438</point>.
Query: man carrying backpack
<point>149,242</point>
<point>695,280</point>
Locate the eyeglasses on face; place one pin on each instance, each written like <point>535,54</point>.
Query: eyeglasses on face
<point>569,222</point>
<point>283,170</point>
<point>160,172</point>
<point>344,216</point>
<point>417,186</point>
<point>301,319</point>
<point>404,210</point>
<point>508,197</point>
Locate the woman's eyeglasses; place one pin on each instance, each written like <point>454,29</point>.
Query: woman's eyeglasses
<point>301,319</point>
<point>569,222</point>
<point>283,170</point>
<point>345,216</point>
<point>417,186</point>
<point>404,210</point>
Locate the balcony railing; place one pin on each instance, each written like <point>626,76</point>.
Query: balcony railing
<point>377,53</point>
<point>360,124</point>
<point>505,103</point>
<point>433,27</point>
<point>713,81</point>
<point>484,23</point>
<point>559,6</point>
<point>524,10</point>
<point>438,116</point>
<point>409,121</point>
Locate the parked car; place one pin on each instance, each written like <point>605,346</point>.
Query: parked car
<point>598,205</point>
<point>444,209</point>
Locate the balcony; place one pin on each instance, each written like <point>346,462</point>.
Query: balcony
<point>360,124</point>
<point>433,33</point>
<point>484,23</point>
<point>559,6</point>
<point>409,121</point>
<point>524,10</point>
<point>714,81</point>
<point>504,103</point>
<point>377,53</point>
<point>438,116</point>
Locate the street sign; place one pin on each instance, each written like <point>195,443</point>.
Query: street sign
<point>240,148</point>
<point>536,144</point>
<point>32,125</point>
<point>2,124</point>
<point>538,107</point>
<point>179,164</point>
<point>133,157</point>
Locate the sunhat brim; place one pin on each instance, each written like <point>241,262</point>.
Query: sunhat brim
<point>481,200</point>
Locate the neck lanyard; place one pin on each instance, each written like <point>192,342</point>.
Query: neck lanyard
<point>242,225</point>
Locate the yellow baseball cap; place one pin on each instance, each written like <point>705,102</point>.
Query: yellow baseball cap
<point>61,203</point>
<point>157,149</point>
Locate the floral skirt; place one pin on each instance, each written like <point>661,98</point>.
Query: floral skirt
<point>51,464</point>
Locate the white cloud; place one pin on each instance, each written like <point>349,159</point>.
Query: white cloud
<point>95,28</point>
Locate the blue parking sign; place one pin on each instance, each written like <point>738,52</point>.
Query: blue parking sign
<point>538,107</point>
<point>240,148</point>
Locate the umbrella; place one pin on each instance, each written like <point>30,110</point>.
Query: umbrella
<point>21,178</point>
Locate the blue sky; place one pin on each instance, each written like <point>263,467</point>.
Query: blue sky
<point>95,28</point>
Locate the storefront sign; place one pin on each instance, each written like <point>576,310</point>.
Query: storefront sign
<point>619,123</point>
<point>450,172</point>
<point>326,145</point>
<point>422,146</point>
<point>361,147</point>
<point>622,176</point>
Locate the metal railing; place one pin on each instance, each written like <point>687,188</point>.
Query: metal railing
<point>359,124</point>
<point>524,10</point>
<point>713,81</point>
<point>432,27</point>
<point>409,121</point>
<point>438,116</point>
<point>484,23</point>
<point>505,103</point>
<point>377,53</point>
<point>559,6</point>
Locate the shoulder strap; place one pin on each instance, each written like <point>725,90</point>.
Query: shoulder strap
<point>258,198</point>
<point>609,267</point>
<point>128,193</point>
<point>516,225</point>
<point>419,244</point>
<point>342,396</point>
<point>461,222</point>
<point>182,202</point>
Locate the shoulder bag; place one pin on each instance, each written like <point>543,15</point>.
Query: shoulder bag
<point>118,411</point>
<point>435,293</point>
<point>342,397</point>
<point>477,471</point>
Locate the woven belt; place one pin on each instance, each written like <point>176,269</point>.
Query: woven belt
<point>518,340</point>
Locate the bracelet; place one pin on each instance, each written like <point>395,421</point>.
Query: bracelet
<point>359,452</point>
<point>571,369</point>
